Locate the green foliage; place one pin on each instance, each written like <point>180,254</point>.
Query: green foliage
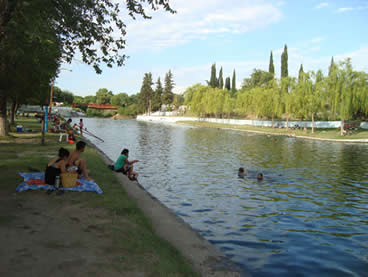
<point>157,96</point>
<point>341,95</point>
<point>271,67</point>
<point>146,93</point>
<point>233,84</point>
<point>213,80</point>
<point>63,96</point>
<point>221,80</point>
<point>258,78</point>
<point>168,95</point>
<point>284,63</point>
<point>121,100</point>
<point>103,96</point>
<point>227,83</point>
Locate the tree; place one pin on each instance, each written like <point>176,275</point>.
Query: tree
<point>227,83</point>
<point>168,95</point>
<point>121,100</point>
<point>233,84</point>
<point>271,67</point>
<point>258,78</point>
<point>92,27</point>
<point>301,73</point>
<point>157,96</point>
<point>284,63</point>
<point>213,79</point>
<point>145,95</point>
<point>103,96</point>
<point>220,80</point>
<point>332,66</point>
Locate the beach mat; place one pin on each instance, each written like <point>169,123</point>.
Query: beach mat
<point>36,181</point>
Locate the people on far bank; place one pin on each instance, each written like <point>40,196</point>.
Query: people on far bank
<point>125,166</point>
<point>76,163</point>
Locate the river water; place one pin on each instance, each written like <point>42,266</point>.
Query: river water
<point>308,217</point>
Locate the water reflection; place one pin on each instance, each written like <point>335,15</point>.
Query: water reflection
<point>308,217</point>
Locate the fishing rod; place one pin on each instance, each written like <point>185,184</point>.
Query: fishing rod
<point>91,134</point>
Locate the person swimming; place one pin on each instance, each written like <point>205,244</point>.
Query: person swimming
<point>260,176</point>
<point>242,172</point>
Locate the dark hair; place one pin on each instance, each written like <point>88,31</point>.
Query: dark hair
<point>80,145</point>
<point>125,151</point>
<point>260,176</point>
<point>63,152</point>
<point>69,120</point>
<point>241,169</point>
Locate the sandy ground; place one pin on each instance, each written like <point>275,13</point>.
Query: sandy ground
<point>42,237</point>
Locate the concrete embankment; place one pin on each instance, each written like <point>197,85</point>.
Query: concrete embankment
<point>321,124</point>
<point>205,258</point>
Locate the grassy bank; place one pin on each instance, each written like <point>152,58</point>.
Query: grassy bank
<point>108,230</point>
<point>318,133</point>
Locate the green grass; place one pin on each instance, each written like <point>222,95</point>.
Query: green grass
<point>318,133</point>
<point>131,232</point>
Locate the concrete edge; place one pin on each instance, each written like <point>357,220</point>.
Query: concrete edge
<point>205,258</point>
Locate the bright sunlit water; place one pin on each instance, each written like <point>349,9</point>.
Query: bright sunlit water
<point>309,217</point>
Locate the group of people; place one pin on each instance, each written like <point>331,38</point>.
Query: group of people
<point>67,162</point>
<point>242,173</point>
<point>68,128</point>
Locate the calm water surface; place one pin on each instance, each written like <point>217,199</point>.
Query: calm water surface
<point>309,217</point>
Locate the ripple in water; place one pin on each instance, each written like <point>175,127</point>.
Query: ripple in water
<point>309,217</point>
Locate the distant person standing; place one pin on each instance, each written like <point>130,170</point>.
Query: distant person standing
<point>81,126</point>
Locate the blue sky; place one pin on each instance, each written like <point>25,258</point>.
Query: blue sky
<point>234,34</point>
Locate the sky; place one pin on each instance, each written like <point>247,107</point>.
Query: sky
<point>236,35</point>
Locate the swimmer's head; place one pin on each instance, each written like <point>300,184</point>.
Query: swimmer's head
<point>260,176</point>
<point>242,172</point>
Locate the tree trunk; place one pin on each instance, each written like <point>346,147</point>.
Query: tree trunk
<point>14,108</point>
<point>272,121</point>
<point>342,127</point>
<point>312,123</point>
<point>3,116</point>
<point>287,123</point>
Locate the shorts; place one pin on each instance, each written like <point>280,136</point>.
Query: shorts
<point>122,170</point>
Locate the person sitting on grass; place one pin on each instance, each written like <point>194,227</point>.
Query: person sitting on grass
<point>125,166</point>
<point>56,166</point>
<point>76,163</point>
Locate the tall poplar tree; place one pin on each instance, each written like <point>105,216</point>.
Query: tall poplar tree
<point>213,79</point>
<point>221,80</point>
<point>233,84</point>
<point>332,67</point>
<point>284,63</point>
<point>271,67</point>
<point>227,83</point>
<point>168,95</point>
<point>301,73</point>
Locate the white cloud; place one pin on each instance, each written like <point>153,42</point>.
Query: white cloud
<point>341,10</point>
<point>199,20</point>
<point>317,39</point>
<point>322,5</point>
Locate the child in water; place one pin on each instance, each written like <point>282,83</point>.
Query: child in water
<point>260,176</point>
<point>242,172</point>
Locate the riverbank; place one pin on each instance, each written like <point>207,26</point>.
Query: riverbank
<point>86,234</point>
<point>323,134</point>
<point>358,136</point>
